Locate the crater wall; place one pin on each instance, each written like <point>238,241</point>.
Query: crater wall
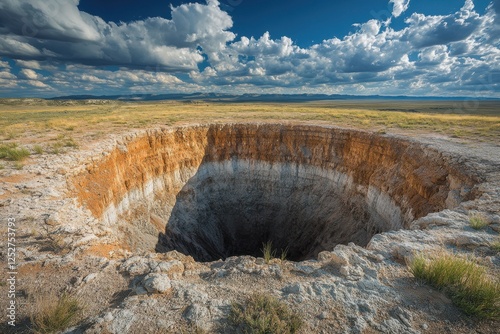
<point>222,189</point>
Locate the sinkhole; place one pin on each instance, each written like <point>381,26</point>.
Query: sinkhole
<point>233,207</point>
<point>220,190</point>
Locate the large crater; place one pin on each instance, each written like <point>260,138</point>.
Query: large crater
<point>214,191</point>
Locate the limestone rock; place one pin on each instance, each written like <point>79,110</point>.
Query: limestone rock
<point>136,265</point>
<point>89,277</point>
<point>157,283</point>
<point>340,255</point>
<point>174,268</point>
<point>198,315</point>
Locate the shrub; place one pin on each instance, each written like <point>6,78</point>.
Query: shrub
<point>54,316</point>
<point>467,283</point>
<point>262,314</point>
<point>478,221</point>
<point>11,152</point>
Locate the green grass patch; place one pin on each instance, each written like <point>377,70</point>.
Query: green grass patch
<point>38,149</point>
<point>61,143</point>
<point>261,314</point>
<point>467,283</point>
<point>478,221</point>
<point>13,153</point>
<point>54,316</point>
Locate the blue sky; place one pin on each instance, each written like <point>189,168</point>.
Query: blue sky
<point>387,47</point>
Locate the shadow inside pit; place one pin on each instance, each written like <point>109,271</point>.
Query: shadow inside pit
<point>231,206</point>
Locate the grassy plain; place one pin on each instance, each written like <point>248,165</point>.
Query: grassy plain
<point>54,124</point>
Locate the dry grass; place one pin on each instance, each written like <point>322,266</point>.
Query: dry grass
<point>495,245</point>
<point>261,314</point>
<point>478,221</point>
<point>468,284</point>
<point>52,316</point>
<point>61,144</point>
<point>38,149</point>
<point>13,153</point>
<point>267,251</point>
<point>37,123</point>
<point>284,254</point>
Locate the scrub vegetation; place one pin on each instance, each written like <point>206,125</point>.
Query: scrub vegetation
<point>478,221</point>
<point>52,316</point>
<point>13,153</point>
<point>262,314</point>
<point>34,121</point>
<point>468,284</point>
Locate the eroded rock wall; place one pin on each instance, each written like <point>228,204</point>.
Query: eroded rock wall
<point>398,180</point>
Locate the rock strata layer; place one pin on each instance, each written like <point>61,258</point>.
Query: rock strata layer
<point>215,191</point>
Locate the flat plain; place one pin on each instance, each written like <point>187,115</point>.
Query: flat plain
<point>30,121</point>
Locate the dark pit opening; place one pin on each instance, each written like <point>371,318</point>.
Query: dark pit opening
<point>231,208</point>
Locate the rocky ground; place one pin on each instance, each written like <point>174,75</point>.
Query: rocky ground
<point>62,248</point>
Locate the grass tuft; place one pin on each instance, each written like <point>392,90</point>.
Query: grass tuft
<point>267,251</point>
<point>70,142</point>
<point>478,221</point>
<point>62,142</point>
<point>38,149</point>
<point>467,283</point>
<point>13,153</point>
<point>54,316</point>
<point>284,254</point>
<point>261,314</point>
<point>11,135</point>
<point>495,245</point>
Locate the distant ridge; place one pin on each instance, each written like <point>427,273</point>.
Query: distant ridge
<point>217,97</point>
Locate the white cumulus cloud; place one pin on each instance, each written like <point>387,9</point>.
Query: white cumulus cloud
<point>57,29</point>
<point>58,20</point>
<point>399,7</point>
<point>450,54</point>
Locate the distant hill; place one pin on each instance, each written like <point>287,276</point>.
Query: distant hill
<point>217,97</point>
